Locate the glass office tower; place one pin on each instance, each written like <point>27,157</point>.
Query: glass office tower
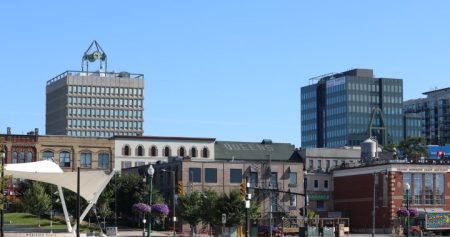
<point>344,109</point>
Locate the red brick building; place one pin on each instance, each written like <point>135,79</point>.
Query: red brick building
<point>354,191</point>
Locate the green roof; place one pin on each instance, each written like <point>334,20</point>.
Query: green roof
<point>227,150</point>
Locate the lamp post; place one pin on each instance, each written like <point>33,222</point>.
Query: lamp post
<point>407,187</point>
<point>2,156</point>
<point>172,173</point>
<point>150,172</point>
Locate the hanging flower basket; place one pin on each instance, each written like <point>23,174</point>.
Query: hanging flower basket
<point>413,212</point>
<point>160,209</point>
<point>402,213</point>
<point>141,207</point>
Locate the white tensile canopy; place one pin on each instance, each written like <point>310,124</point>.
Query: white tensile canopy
<point>92,183</point>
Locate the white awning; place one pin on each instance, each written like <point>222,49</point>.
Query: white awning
<point>91,182</point>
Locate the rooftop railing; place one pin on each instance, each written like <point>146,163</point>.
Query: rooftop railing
<point>97,73</point>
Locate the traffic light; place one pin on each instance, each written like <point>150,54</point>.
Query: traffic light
<point>440,154</point>
<point>180,188</point>
<point>243,189</point>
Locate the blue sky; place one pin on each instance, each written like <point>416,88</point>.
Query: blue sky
<point>231,70</point>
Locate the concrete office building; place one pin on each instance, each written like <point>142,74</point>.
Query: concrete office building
<point>434,112</point>
<point>95,104</point>
<point>344,109</point>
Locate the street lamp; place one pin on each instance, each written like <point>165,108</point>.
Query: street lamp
<point>172,173</point>
<point>150,172</point>
<point>2,156</point>
<point>407,187</point>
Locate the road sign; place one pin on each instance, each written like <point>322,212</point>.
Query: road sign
<point>224,218</point>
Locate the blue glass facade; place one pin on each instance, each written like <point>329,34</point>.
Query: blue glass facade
<point>346,108</point>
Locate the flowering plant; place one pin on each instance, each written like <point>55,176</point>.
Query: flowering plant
<point>402,213</point>
<point>141,207</point>
<point>160,209</point>
<point>413,212</point>
<point>408,212</point>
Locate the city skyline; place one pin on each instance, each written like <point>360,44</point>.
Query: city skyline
<point>232,71</point>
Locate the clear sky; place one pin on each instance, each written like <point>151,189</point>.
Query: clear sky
<point>231,70</point>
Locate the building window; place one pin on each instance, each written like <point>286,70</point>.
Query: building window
<point>64,159</point>
<point>325,184</point>
<point>293,200</point>
<point>311,164</point>
<point>439,189</point>
<point>193,152</point>
<point>153,151</point>
<point>126,150</point>
<point>181,151</point>
<point>140,151</point>
<point>14,157</point>
<point>85,160</point>
<point>429,189</point>
<point>103,160</point>
<point>166,151</point>
<point>273,180</point>
<point>235,175</point>
<point>29,157</point>
<point>418,189</point>
<point>195,175</point>
<point>21,157</point>
<point>210,175</point>
<point>316,184</point>
<point>47,155</point>
<point>292,179</point>
<point>125,164</point>
<point>205,153</point>
<point>253,179</point>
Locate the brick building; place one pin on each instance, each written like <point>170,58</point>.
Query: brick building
<point>356,188</point>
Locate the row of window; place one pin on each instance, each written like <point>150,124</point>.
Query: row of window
<point>426,189</point>
<point>19,157</point>
<point>65,159</point>
<point>104,112</point>
<point>108,124</point>
<point>328,164</point>
<point>105,102</point>
<point>81,133</point>
<point>331,100</point>
<point>166,151</point>
<point>102,90</point>
<point>210,176</point>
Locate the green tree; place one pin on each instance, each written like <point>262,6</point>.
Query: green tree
<point>36,201</point>
<point>233,207</point>
<point>190,209</point>
<point>211,214</point>
<point>414,147</point>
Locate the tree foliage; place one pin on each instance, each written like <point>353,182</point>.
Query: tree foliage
<point>414,147</point>
<point>190,208</point>
<point>36,200</point>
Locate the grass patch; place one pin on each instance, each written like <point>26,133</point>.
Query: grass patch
<point>27,219</point>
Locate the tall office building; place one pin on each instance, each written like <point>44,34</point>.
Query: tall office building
<point>344,109</point>
<point>434,110</point>
<point>95,103</point>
